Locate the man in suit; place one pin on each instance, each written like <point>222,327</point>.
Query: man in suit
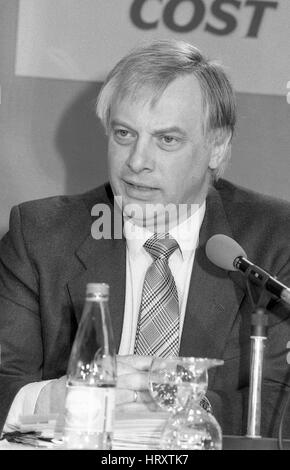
<point>169,115</point>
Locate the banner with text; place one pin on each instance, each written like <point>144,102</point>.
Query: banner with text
<point>82,40</point>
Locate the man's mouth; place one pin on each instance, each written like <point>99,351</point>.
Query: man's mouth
<point>139,187</point>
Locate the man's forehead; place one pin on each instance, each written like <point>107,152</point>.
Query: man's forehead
<point>142,95</point>
<point>151,93</point>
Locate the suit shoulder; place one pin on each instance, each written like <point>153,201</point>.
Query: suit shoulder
<point>57,204</point>
<point>245,201</point>
<point>56,217</point>
<point>259,223</point>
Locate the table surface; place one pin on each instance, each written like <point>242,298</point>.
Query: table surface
<point>229,443</point>
<point>246,443</point>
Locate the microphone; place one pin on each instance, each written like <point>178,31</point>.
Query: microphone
<point>227,254</point>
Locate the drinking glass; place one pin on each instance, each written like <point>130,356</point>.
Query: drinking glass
<point>167,383</point>
<point>178,385</point>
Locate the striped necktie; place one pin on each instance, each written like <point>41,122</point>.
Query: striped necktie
<point>158,323</point>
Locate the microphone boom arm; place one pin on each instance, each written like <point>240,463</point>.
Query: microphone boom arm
<point>261,278</point>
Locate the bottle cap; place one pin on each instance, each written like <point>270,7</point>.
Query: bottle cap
<point>99,289</point>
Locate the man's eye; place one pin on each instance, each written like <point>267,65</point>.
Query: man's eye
<point>121,133</point>
<point>169,140</point>
<point>123,136</point>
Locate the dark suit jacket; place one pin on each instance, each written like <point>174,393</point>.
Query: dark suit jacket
<point>49,255</point>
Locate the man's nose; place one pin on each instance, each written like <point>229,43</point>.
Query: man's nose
<point>141,157</point>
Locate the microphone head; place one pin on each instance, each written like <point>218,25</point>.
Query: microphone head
<point>222,251</point>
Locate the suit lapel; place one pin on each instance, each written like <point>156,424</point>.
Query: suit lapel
<point>101,260</point>
<point>213,298</point>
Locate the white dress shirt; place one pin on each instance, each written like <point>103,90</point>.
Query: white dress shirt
<point>137,263</point>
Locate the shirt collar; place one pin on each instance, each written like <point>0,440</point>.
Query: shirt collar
<point>186,234</point>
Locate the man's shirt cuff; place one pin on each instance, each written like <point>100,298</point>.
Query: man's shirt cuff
<point>23,404</point>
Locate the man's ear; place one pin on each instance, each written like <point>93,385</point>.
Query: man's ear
<point>219,151</point>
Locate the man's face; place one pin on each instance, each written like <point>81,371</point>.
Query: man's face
<point>157,153</point>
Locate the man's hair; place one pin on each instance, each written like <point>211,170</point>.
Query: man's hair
<point>148,70</point>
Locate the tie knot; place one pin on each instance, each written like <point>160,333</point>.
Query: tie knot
<point>160,246</point>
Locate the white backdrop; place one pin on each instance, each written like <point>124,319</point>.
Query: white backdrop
<point>83,39</point>
<point>50,140</point>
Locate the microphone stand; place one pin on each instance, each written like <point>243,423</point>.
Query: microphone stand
<point>259,323</point>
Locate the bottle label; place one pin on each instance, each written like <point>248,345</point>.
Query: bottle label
<point>90,409</point>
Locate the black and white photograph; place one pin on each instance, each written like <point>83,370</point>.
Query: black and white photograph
<point>144,227</point>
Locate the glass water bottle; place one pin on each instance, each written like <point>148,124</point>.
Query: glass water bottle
<point>91,376</point>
